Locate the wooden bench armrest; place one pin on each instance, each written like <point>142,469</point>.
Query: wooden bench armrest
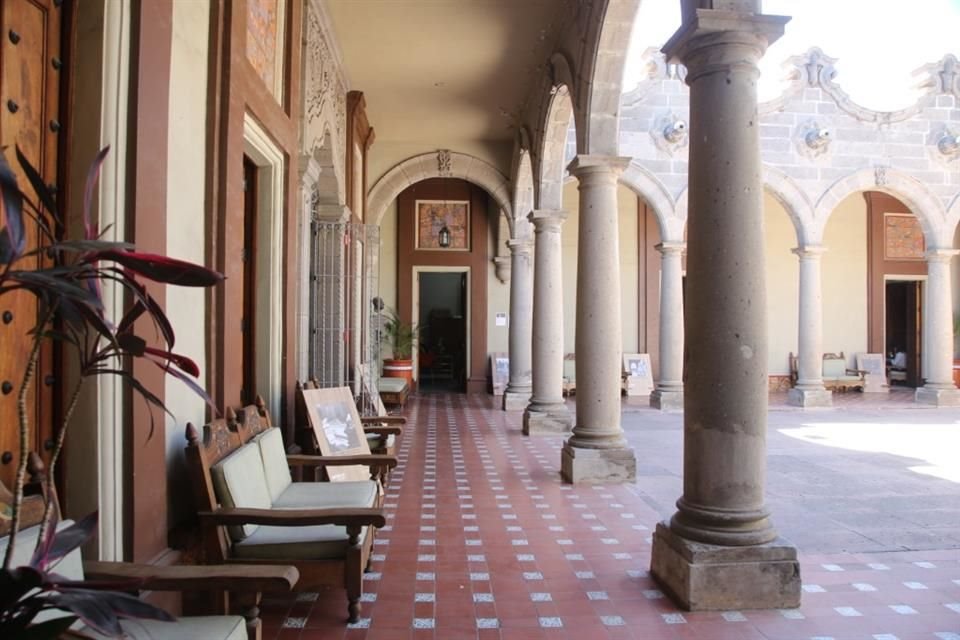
<point>342,516</point>
<point>856,372</point>
<point>383,420</point>
<point>244,578</point>
<point>366,460</point>
<point>383,430</point>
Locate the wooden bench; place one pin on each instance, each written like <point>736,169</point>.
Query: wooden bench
<point>252,513</point>
<point>835,373</point>
<point>394,392</point>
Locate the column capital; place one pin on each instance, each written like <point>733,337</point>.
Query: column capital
<point>809,252</point>
<point>671,248</point>
<point>520,246</point>
<point>942,254</point>
<point>547,219</point>
<point>333,213</point>
<point>712,40</point>
<point>588,164</point>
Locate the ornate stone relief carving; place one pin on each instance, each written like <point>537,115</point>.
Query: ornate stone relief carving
<point>443,163</point>
<point>812,140</point>
<point>943,77</point>
<point>670,133</point>
<point>324,92</point>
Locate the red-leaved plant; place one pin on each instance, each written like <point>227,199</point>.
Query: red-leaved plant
<point>66,277</point>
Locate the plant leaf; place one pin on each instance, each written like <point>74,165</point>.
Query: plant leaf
<point>63,542</point>
<point>13,208</point>
<point>161,268</point>
<point>48,630</point>
<point>134,345</point>
<point>190,382</point>
<point>93,174</point>
<point>36,181</point>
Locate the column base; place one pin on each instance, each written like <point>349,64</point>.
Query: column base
<point>597,466</point>
<point>937,397</point>
<point>515,400</point>
<point>666,400</point>
<point>706,577</point>
<point>810,398</point>
<point>547,420</point>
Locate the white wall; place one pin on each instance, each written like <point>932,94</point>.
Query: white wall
<point>845,279</point>
<point>186,230</point>
<point>783,273</point>
<point>388,256</point>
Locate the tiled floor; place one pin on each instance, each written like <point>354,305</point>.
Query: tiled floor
<point>484,541</point>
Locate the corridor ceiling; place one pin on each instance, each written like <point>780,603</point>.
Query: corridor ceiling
<point>445,70</point>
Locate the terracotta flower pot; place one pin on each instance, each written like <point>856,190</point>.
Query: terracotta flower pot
<point>394,368</point>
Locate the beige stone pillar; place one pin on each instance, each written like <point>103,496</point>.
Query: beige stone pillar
<point>720,550</point>
<point>939,389</point>
<point>669,392</point>
<point>547,412</point>
<point>598,451</point>
<point>809,390</point>
<point>520,386</point>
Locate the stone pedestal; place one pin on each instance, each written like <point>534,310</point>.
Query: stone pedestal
<point>809,391</point>
<point>666,400</point>
<point>520,386</point>
<point>705,577</point>
<point>668,395</point>
<point>810,398</point>
<point>547,412</point>
<point>939,389</point>
<point>597,466</point>
<point>597,450</point>
<point>548,419</point>
<point>720,549</point>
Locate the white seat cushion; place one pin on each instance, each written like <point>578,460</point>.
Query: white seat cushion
<point>328,495</point>
<point>274,458</point>
<point>322,542</point>
<point>191,628</point>
<point>392,385</point>
<point>240,483</point>
<point>375,440</point>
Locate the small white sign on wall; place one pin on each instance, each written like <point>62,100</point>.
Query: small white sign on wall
<point>500,319</point>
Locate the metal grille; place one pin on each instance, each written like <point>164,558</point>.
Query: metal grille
<point>344,323</point>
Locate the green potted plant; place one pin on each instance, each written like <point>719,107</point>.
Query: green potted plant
<point>401,338</point>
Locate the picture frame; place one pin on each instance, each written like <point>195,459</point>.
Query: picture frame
<point>638,374</point>
<point>336,425</point>
<point>499,372</point>
<point>872,364</point>
<point>432,215</point>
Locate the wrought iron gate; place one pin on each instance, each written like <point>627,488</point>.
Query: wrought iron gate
<point>344,314</point>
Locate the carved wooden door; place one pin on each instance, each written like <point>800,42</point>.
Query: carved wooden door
<point>30,63</point>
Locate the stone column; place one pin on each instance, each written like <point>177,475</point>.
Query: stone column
<point>669,391</point>
<point>598,451</point>
<point>519,388</point>
<point>720,550</point>
<point>939,389</point>
<point>809,390</point>
<point>547,412</point>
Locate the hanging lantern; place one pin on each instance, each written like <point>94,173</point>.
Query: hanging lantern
<point>443,238</point>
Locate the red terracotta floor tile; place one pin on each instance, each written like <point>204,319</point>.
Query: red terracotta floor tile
<point>484,541</point>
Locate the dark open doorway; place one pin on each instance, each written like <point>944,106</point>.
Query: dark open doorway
<point>443,331</point>
<point>904,304</point>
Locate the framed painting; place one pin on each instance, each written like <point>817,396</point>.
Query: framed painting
<point>434,215</point>
<point>902,237</point>
<point>336,426</point>
<point>872,364</point>
<point>499,372</point>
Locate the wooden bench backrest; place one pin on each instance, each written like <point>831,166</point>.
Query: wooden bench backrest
<point>218,439</point>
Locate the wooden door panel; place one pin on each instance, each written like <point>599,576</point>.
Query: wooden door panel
<point>29,97</point>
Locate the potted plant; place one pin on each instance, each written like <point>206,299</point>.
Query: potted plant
<point>401,338</point>
<point>66,276</point>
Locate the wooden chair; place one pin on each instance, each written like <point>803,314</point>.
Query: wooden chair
<point>252,513</point>
<point>836,375</point>
<point>382,431</point>
<point>244,583</point>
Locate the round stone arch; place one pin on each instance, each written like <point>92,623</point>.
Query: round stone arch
<point>440,164</point>
<point>796,203</point>
<point>648,186</point>
<point>559,115</point>
<point>523,197</point>
<point>929,210</point>
<point>605,55</point>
